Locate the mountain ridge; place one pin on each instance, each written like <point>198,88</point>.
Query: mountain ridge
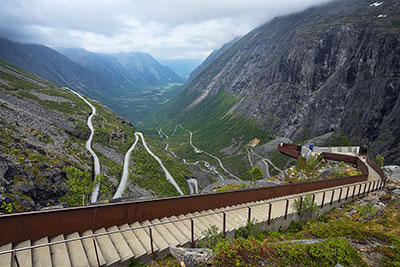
<point>329,69</point>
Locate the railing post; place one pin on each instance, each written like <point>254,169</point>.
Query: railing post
<point>340,194</point>
<point>269,213</point>
<point>249,215</point>
<point>16,259</point>
<point>313,198</point>
<point>95,249</point>
<point>369,187</point>
<point>301,202</point>
<point>359,190</point>
<point>192,231</point>
<point>224,223</point>
<point>151,244</point>
<point>323,200</point>
<point>287,207</point>
<point>347,193</point>
<point>333,194</point>
<point>365,189</point>
<point>354,190</point>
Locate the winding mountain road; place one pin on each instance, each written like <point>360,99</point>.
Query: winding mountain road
<point>167,174</point>
<point>96,188</point>
<point>197,150</point>
<point>125,173</point>
<point>265,160</point>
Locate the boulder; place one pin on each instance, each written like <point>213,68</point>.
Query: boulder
<point>192,257</point>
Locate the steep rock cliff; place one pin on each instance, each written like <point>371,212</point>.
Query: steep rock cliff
<point>332,68</point>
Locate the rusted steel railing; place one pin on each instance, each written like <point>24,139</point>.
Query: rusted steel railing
<point>34,225</point>
<point>191,219</point>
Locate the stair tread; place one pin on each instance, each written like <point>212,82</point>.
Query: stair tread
<point>198,228</point>
<point>209,219</point>
<point>77,254</point>
<point>107,248</point>
<point>25,256</point>
<point>120,244</point>
<point>41,256</point>
<point>229,225</point>
<point>157,237</point>
<point>133,242</point>
<point>5,259</point>
<point>144,238</point>
<point>88,246</point>
<point>165,233</point>
<point>59,252</point>
<point>175,231</point>
<point>183,226</point>
<point>198,224</point>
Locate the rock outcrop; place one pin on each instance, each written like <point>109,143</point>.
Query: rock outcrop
<point>332,68</point>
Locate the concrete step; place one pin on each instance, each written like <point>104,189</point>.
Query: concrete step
<point>259,213</point>
<point>157,237</point>
<point>59,252</point>
<point>197,231</point>
<point>89,247</point>
<point>238,216</point>
<point>5,259</point>
<point>24,257</point>
<point>198,221</point>
<point>216,218</point>
<point>41,257</point>
<point>144,238</point>
<point>77,254</point>
<point>133,242</point>
<point>198,226</point>
<point>183,226</point>
<point>123,249</point>
<point>208,220</point>
<point>107,248</point>
<point>165,233</point>
<point>229,225</point>
<point>173,229</point>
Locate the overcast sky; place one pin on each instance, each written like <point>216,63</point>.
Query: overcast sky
<point>167,29</point>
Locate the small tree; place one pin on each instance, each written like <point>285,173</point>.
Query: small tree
<point>308,206</point>
<point>379,160</point>
<point>80,186</point>
<point>256,174</point>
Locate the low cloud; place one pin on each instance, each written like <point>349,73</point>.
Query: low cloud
<point>164,28</point>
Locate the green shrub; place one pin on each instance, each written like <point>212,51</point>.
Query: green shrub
<point>212,237</point>
<point>379,160</point>
<point>251,229</point>
<point>307,208</point>
<point>6,207</point>
<point>243,252</point>
<point>327,253</point>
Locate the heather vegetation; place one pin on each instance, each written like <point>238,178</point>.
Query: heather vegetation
<point>337,238</point>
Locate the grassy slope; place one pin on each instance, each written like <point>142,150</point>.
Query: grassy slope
<point>213,129</point>
<point>110,131</point>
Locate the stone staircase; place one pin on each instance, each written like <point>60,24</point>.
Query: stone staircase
<point>117,245</point>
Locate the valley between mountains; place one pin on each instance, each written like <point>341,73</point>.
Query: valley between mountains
<point>131,128</point>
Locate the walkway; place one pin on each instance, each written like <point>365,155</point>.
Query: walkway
<point>116,245</point>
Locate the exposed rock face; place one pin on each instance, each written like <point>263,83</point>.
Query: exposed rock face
<point>333,68</point>
<point>43,130</point>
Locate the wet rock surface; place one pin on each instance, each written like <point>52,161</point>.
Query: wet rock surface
<point>192,257</point>
<point>328,69</point>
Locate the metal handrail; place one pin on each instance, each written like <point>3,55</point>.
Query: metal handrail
<point>180,220</point>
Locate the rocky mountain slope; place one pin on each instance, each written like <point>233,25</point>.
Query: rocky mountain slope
<point>330,69</point>
<point>43,131</point>
<point>117,80</point>
<point>128,71</point>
